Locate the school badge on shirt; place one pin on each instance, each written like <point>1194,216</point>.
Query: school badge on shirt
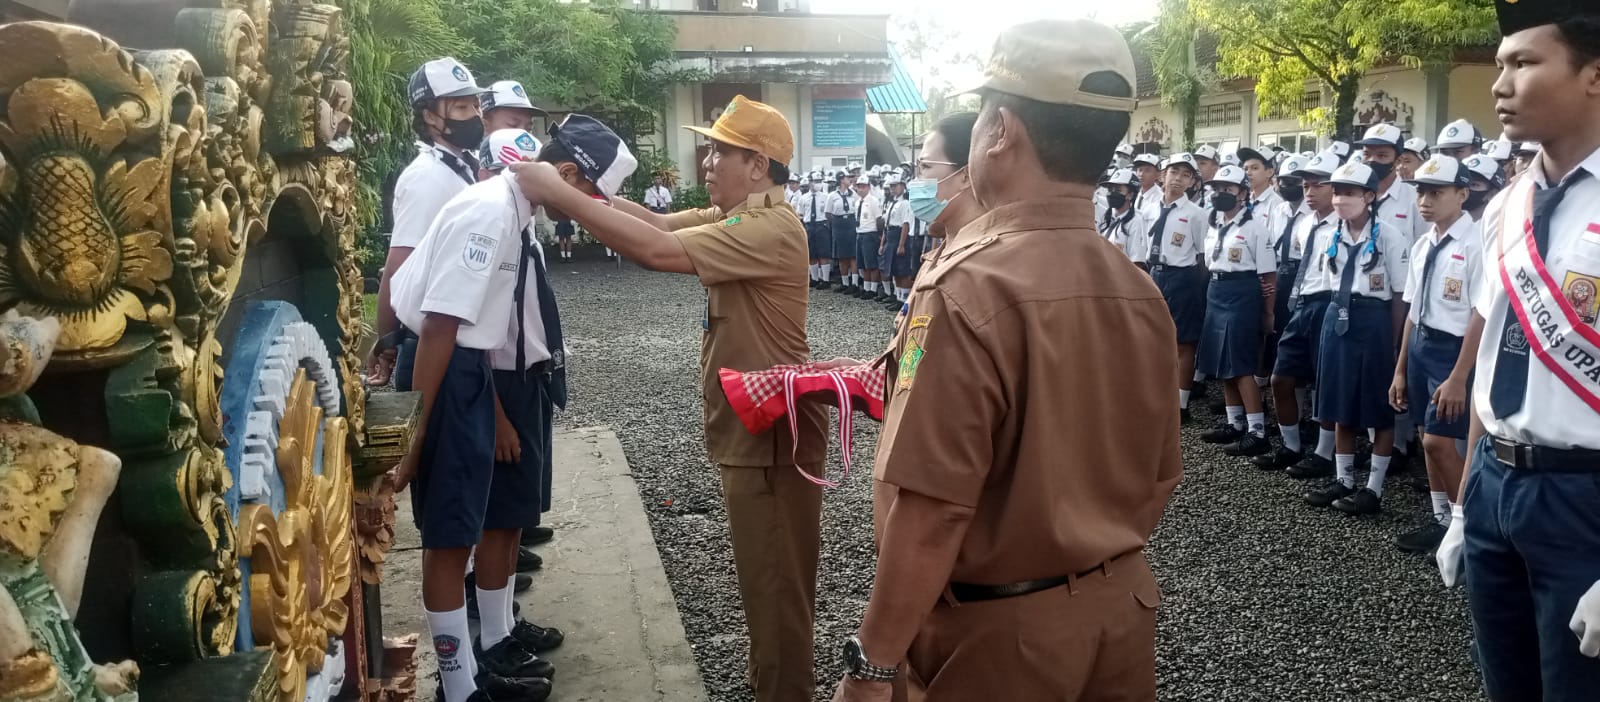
<point>1375,281</point>
<point>479,249</point>
<point>1235,255</point>
<point>911,355</point>
<point>1583,293</point>
<point>1452,289</point>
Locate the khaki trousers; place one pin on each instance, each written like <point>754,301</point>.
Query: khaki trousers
<point>774,515</point>
<point>1092,640</point>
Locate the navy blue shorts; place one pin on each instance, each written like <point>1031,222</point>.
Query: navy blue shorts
<point>893,262</point>
<point>521,491</point>
<point>1230,338</point>
<point>1355,369</point>
<point>817,240</point>
<point>844,238</point>
<point>405,360</point>
<point>1429,363</point>
<point>867,244</point>
<point>1302,338</point>
<point>450,494</point>
<point>1185,291</point>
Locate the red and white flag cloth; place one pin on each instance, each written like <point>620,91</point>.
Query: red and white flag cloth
<point>761,398</point>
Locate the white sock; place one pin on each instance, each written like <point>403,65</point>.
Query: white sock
<point>855,279</point>
<point>1345,463</point>
<point>511,603</point>
<point>494,608</point>
<point>1372,435</point>
<point>1257,421</point>
<point>452,646</point>
<point>1325,443</point>
<point>1291,436</point>
<point>1441,506</point>
<point>1183,399</point>
<point>887,286</point>
<point>1380,470</point>
<point>1236,416</point>
<point>1449,515</point>
<point>609,252</point>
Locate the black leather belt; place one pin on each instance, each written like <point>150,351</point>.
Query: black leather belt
<point>1432,334</point>
<point>1164,267</point>
<point>969,592</point>
<point>1232,275</point>
<point>1316,298</point>
<point>1544,458</point>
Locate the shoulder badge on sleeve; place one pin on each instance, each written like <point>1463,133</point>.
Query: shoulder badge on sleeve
<point>732,221</point>
<point>478,252</point>
<point>911,353</point>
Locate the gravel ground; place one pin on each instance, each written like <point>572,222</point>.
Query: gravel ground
<point>1265,598</point>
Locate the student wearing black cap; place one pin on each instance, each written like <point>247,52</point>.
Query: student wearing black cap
<point>1529,528</point>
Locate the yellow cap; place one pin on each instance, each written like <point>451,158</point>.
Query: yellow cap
<point>1047,61</point>
<point>753,125</point>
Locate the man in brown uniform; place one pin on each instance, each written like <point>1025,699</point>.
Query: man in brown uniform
<point>1030,442</point>
<point>750,253</point>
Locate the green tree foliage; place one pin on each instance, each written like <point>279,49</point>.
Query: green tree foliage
<point>1169,43</point>
<point>1283,44</point>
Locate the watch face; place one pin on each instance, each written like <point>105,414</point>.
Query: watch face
<point>852,654</point>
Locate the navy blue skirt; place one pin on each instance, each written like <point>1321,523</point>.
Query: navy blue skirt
<point>1302,338</point>
<point>450,492</point>
<point>1355,369</point>
<point>844,238</point>
<point>818,241</point>
<point>520,491</point>
<point>1428,364</point>
<point>1230,337</point>
<point>1185,292</point>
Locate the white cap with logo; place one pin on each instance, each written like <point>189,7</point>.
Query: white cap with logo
<point>1230,175</point>
<point>1441,170</point>
<point>1322,165</point>
<point>1353,173</point>
<point>1148,159</point>
<point>507,93</point>
<point>1182,158</point>
<point>441,78</point>
<point>504,147</point>
<point>1417,145</point>
<point>1384,134</point>
<point>1458,133</point>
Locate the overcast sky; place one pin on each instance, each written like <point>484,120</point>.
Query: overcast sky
<point>981,20</point>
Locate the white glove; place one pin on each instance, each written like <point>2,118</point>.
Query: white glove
<point>1450,553</point>
<point>1586,622</point>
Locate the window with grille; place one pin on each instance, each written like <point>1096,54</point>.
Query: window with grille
<point>1219,115</point>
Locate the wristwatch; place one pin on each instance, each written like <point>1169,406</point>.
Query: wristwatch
<point>855,663</point>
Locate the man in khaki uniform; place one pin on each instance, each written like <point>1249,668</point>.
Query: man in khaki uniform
<point>750,252</point>
<point>1030,442</point>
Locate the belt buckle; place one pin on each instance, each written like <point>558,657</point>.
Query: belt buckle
<point>1512,454</point>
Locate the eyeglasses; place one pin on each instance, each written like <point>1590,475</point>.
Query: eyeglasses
<point>925,165</point>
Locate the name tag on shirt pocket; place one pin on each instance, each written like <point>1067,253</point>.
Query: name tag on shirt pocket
<point>1452,289</point>
<point>1235,255</point>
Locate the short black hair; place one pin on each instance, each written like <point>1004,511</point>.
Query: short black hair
<point>1073,143</point>
<point>418,125</point>
<point>956,131</point>
<point>1582,35</point>
<point>554,152</point>
<point>778,172</point>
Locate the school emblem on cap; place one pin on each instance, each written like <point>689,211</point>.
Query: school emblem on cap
<point>1452,131</point>
<point>1431,168</point>
<point>911,354</point>
<point>1583,292</point>
<point>459,72</point>
<point>525,140</point>
<point>518,91</point>
<point>479,250</point>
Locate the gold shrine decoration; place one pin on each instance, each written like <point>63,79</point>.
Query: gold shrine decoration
<point>302,560</point>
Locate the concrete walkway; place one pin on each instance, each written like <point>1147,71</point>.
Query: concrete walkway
<point>602,584</point>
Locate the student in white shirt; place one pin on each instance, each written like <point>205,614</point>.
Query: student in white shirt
<point>1239,308</point>
<point>658,198</point>
<point>447,117</point>
<point>1280,224</point>
<point>869,237</point>
<point>1487,181</point>
<point>1365,264</point>
<point>1412,155</point>
<point>813,211</point>
<point>1177,235</point>
<point>506,106</point>
<point>899,252</point>
<point>1148,167</point>
<point>1121,224</point>
<point>1262,172</point>
<point>1433,373</point>
<point>841,211</point>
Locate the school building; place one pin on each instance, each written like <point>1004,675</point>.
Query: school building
<point>1421,101</point>
<point>830,75</point>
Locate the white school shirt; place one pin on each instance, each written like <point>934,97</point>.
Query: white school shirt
<point>792,196</point>
<point>423,188</point>
<point>1245,247</point>
<point>466,265</point>
<point>1398,207</point>
<point>1186,230</point>
<point>1551,415</point>
<point>1100,204</point>
<point>1148,202</point>
<point>535,347</point>
<point>867,212</point>
<point>1129,233</point>
<point>658,196</point>
<point>812,207</point>
<point>840,203</point>
<point>1279,218</point>
<point>1457,272</point>
<point>1264,205</point>
<point>1312,234</point>
<point>900,215</point>
<point>1386,280</point>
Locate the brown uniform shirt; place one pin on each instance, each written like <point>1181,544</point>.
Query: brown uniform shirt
<point>1032,380</point>
<point>752,261</point>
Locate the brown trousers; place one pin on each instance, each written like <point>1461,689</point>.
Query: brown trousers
<point>1092,640</point>
<point>775,515</point>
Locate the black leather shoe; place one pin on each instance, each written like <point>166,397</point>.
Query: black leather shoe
<point>839,287</point>
<point>537,638</point>
<point>1362,501</point>
<point>1328,494</point>
<point>537,535</point>
<point>885,297</point>
<point>528,560</point>
<point>1248,445</point>
<point>520,582</point>
<point>1184,418</point>
<point>1218,405</point>
<point>509,659</point>
<point>1423,540</point>
<point>894,305</point>
<point>1312,466</point>
<point>1198,390</point>
<point>1278,459</point>
<point>1225,433</point>
<point>494,688</point>
<point>862,294</point>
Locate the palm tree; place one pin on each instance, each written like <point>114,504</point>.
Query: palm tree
<point>1170,44</point>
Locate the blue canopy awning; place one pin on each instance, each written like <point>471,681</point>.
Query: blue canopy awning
<point>899,95</point>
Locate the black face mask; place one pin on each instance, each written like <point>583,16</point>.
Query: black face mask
<point>1476,199</point>
<point>1292,193</point>
<point>1380,170</point>
<point>1116,200</point>
<point>1224,202</point>
<point>464,133</point>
